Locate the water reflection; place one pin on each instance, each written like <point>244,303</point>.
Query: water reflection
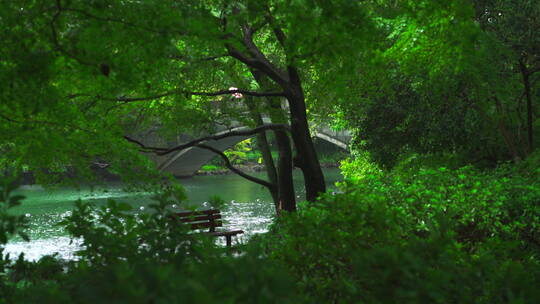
<point>62,245</point>
<point>249,208</point>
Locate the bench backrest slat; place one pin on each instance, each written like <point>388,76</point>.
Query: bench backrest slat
<point>200,219</point>
<point>195,213</point>
<point>189,219</point>
<point>209,225</point>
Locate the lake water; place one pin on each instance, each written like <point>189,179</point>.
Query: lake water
<point>249,208</point>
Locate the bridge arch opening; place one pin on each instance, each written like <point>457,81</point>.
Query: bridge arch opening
<point>188,161</point>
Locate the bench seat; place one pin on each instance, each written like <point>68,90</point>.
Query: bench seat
<point>203,219</point>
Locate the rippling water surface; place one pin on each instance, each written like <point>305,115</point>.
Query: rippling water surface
<point>249,208</point>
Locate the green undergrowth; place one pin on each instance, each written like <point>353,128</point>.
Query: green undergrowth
<point>130,257</point>
<point>211,168</point>
<point>419,234</point>
<point>426,232</point>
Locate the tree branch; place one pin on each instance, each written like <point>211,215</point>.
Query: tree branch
<point>177,92</point>
<point>235,170</point>
<point>257,60</point>
<point>280,35</point>
<point>143,146</point>
<point>56,41</point>
<point>115,20</point>
<point>165,151</point>
<point>534,70</point>
<point>44,122</point>
<point>259,26</point>
<point>209,58</point>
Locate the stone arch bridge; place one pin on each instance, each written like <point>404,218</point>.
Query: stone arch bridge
<point>186,162</point>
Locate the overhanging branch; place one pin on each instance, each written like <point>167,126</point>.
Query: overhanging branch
<point>44,122</point>
<point>209,58</point>
<point>143,146</point>
<point>182,92</point>
<point>235,170</point>
<point>195,142</point>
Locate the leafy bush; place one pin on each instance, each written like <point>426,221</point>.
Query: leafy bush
<point>10,225</point>
<point>412,163</point>
<point>429,236</point>
<point>359,168</point>
<point>217,279</point>
<point>419,234</point>
<point>481,205</point>
<point>207,168</point>
<point>129,257</point>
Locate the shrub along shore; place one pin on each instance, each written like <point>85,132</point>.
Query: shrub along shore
<point>424,232</point>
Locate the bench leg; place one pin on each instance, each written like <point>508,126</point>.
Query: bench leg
<point>229,241</point>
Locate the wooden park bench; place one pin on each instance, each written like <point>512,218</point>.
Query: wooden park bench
<point>200,220</point>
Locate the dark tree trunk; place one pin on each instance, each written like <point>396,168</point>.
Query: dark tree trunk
<point>264,147</point>
<point>285,186</point>
<point>527,86</point>
<point>287,199</point>
<point>507,136</point>
<point>509,140</point>
<point>290,82</point>
<point>306,158</point>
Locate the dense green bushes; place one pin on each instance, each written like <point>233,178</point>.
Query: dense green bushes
<point>423,233</point>
<point>144,258</point>
<point>144,279</point>
<point>418,235</point>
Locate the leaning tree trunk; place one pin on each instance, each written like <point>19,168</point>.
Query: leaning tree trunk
<point>264,147</point>
<point>306,158</point>
<point>285,185</point>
